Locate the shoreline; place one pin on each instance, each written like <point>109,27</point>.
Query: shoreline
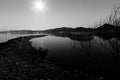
<point>20,61</point>
<point>18,39</point>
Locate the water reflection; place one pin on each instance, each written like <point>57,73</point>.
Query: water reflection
<point>81,38</point>
<point>7,36</point>
<point>89,52</point>
<point>93,53</point>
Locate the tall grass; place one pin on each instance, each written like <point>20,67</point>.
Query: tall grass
<point>114,17</point>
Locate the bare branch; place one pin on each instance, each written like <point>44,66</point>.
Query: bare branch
<point>114,17</point>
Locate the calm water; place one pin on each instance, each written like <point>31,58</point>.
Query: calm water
<point>6,36</point>
<point>93,53</point>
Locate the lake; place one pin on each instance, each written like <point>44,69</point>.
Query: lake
<point>93,53</point>
<point>7,36</point>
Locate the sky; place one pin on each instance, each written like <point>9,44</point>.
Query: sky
<point>22,14</point>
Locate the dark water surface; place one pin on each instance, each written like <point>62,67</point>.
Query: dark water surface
<point>96,53</point>
<point>86,53</point>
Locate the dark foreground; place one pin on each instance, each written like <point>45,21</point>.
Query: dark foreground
<point>20,61</point>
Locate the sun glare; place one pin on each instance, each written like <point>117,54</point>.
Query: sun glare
<point>39,5</point>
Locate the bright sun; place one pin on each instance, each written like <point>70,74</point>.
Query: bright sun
<point>39,5</point>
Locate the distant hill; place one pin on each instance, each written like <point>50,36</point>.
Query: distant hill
<point>82,29</point>
<point>107,28</point>
<point>67,29</point>
<point>63,29</point>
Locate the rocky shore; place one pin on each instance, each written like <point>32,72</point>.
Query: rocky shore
<point>20,61</point>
